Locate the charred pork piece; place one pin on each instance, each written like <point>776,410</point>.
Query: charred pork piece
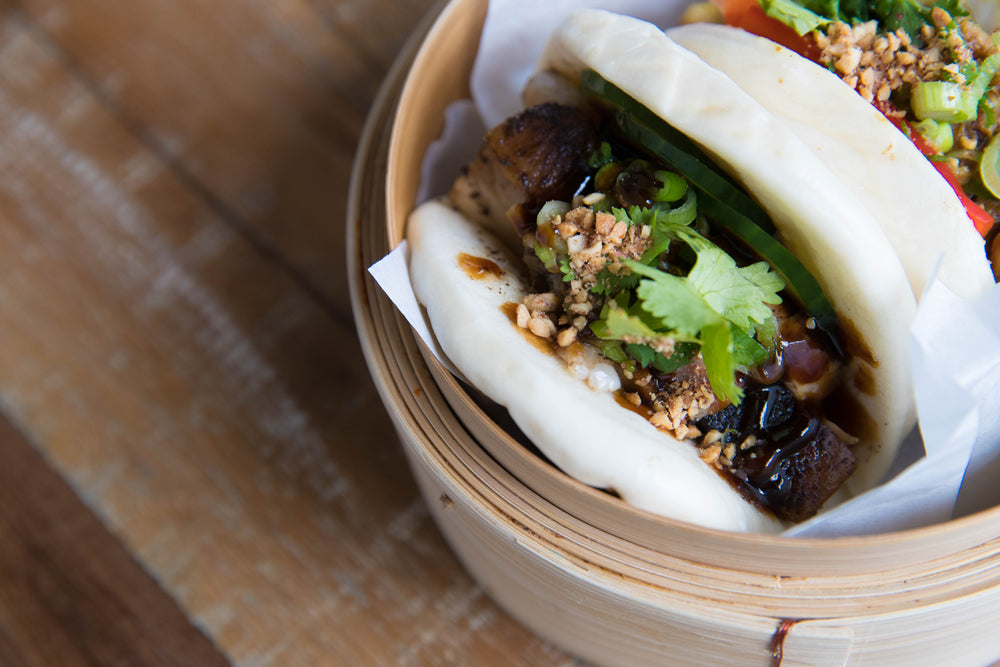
<point>536,156</point>
<point>782,456</point>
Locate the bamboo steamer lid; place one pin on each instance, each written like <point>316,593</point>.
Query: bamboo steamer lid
<point>600,578</point>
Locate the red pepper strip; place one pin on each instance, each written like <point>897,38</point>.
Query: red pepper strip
<point>749,15</point>
<point>982,220</point>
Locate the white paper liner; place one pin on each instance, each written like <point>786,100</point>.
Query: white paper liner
<point>955,343</point>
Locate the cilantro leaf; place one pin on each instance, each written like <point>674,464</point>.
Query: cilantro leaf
<point>621,215</point>
<point>683,354</point>
<point>741,295</point>
<point>720,363</point>
<point>608,283</point>
<point>911,15</point>
<point>718,303</point>
<point>633,325</point>
<point>673,300</point>
<point>643,354</point>
<point>613,350</point>
<point>747,352</point>
<point>615,323</point>
<point>679,306</point>
<point>646,356</point>
<point>567,270</point>
<point>793,14</point>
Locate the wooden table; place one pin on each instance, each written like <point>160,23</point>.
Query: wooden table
<point>194,465</point>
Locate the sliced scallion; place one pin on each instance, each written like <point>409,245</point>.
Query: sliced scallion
<point>674,186</point>
<point>681,215</point>
<point>938,135</point>
<point>984,74</point>
<point>548,244</point>
<point>552,210</point>
<point>944,101</point>
<point>989,166</point>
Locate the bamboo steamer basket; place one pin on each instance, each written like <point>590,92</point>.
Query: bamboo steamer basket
<point>604,580</point>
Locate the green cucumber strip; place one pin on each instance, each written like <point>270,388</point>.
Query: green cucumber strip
<point>677,150</point>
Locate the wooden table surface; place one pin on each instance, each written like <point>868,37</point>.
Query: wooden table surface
<point>195,467</point>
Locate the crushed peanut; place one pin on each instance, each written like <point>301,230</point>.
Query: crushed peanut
<point>877,66</point>
<point>566,336</point>
<point>596,240</point>
<point>710,454</point>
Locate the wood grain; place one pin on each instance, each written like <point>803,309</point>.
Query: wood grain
<point>62,571</point>
<point>258,105</point>
<point>175,335</point>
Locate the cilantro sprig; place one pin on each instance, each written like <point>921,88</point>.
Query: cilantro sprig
<point>911,15</point>
<point>683,296</point>
<point>718,306</point>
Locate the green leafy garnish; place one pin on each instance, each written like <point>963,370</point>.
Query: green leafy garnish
<point>601,157</point>
<point>617,325</point>
<point>613,283</point>
<point>646,356</point>
<point>739,294</point>
<point>804,16</point>
<point>675,301</point>
<point>566,270</point>
<point>720,362</point>
<point>721,307</point>
<point>795,15</point>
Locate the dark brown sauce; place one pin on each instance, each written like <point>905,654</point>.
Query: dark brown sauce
<point>478,268</point>
<point>782,428</point>
<point>642,410</point>
<point>856,346</point>
<point>746,492</point>
<point>864,380</point>
<point>510,310</point>
<point>635,187</point>
<point>771,475</point>
<point>768,372</point>
<point>843,409</point>
<point>802,356</point>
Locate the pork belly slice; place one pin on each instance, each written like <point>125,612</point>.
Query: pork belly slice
<point>536,156</point>
<point>783,456</point>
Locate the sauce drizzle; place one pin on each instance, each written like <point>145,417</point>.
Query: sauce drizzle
<point>478,268</point>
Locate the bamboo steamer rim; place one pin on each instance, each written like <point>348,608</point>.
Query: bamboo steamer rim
<point>483,455</point>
